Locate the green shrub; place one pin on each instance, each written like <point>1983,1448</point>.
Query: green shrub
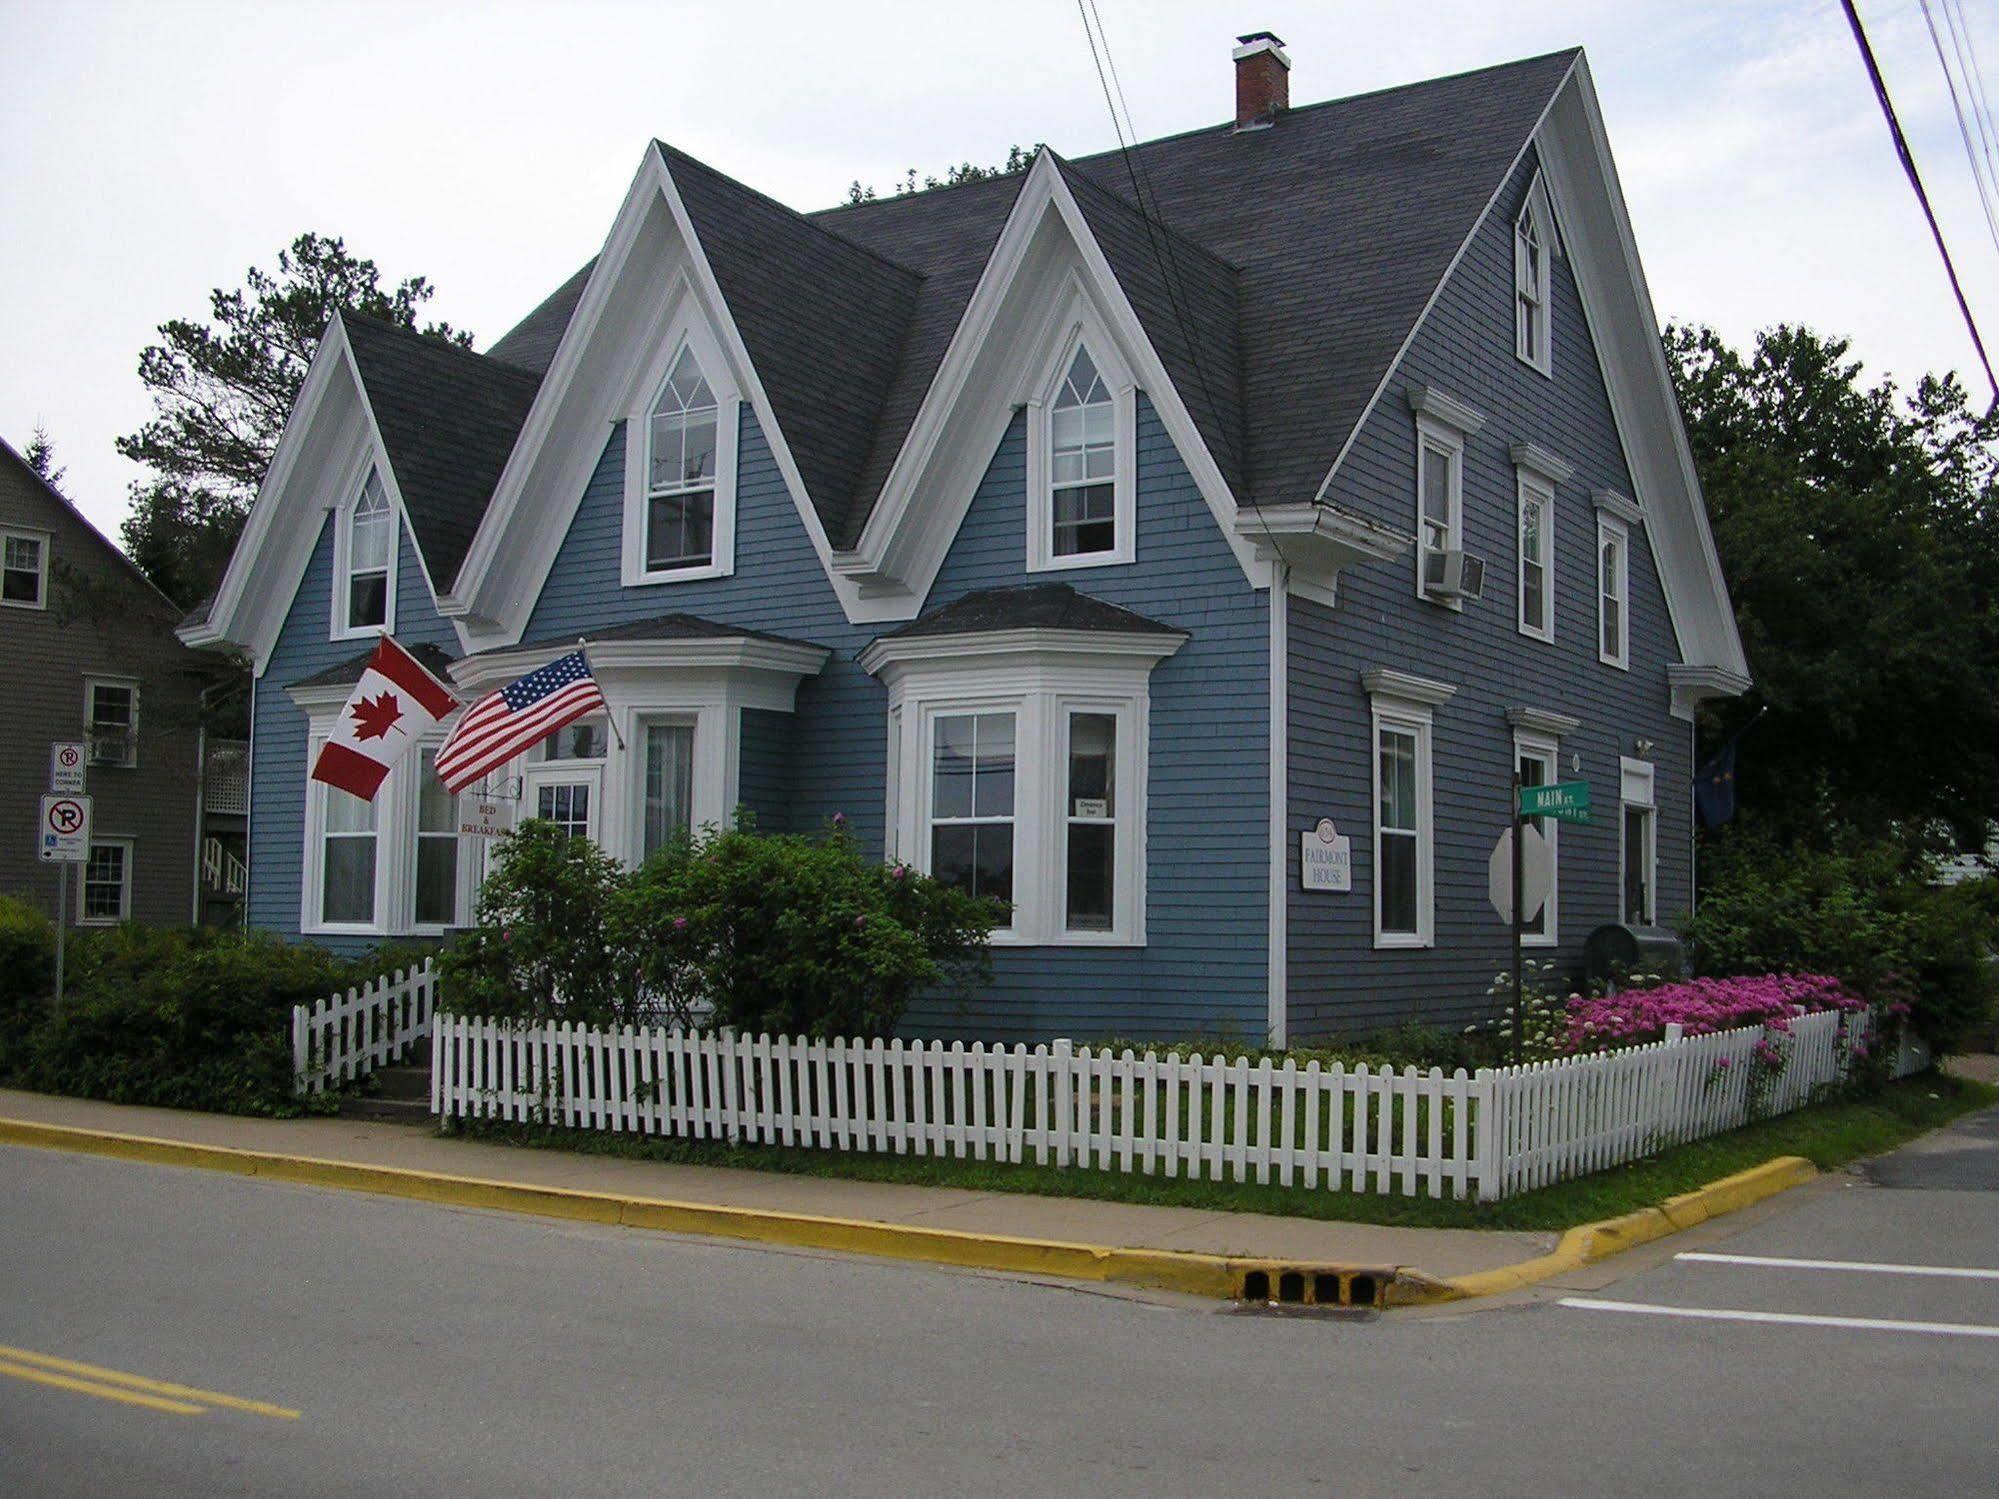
<point>184,1017</point>
<point>787,934</point>
<point>27,975</point>
<point>1866,912</point>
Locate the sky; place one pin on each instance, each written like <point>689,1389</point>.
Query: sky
<point>152,151</point>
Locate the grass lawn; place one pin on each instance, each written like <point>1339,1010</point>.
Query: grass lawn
<point>1829,1135</point>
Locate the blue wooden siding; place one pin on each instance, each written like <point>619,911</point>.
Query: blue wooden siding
<point>764,783</point>
<point>1203,970</point>
<point>1338,982</point>
<point>278,767</point>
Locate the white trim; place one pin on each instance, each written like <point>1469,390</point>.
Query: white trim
<point>682,325</point>
<point>44,543</point>
<point>1316,542</point>
<point>1444,442</point>
<point>1404,690</point>
<point>1277,1014</point>
<point>1532,487</point>
<point>1540,722</point>
<point>1032,646</point>
<point>130,847</point>
<point>1531,455</point>
<point>312,874</point>
<point>1534,213</point>
<point>1262,44</point>
<point>746,654</point>
<point>1610,501</point>
<point>1084,330</point>
<point>1609,528</point>
<point>1445,410</point>
<point>1546,748</point>
<point>1693,685</point>
<point>340,626</point>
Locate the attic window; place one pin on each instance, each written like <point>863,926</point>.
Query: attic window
<point>680,471</point>
<point>1081,457</point>
<point>367,554</point>
<point>1084,446</point>
<point>1532,242</point>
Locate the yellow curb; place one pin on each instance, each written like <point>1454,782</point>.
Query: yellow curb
<point>1587,1243</point>
<point>1208,1275</point>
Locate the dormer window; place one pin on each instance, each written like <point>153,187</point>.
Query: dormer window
<point>680,471</point>
<point>1084,447</point>
<point>680,459</point>
<point>366,599</point>
<point>1081,453</point>
<point>1533,241</point>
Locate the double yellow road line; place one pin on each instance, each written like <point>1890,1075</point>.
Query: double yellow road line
<point>127,1389</point>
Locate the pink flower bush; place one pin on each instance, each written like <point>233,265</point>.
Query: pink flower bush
<point>1701,1006</point>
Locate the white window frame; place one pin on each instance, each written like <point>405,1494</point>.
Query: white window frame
<point>124,887</point>
<point>1638,788</point>
<point>1405,704</point>
<point>387,847</point>
<point>1536,491</point>
<point>1444,425</point>
<point>90,688</point>
<point>684,329</point>
<point>409,832</point>
<point>1017,708</point>
<point>1548,750</point>
<point>344,628</point>
<point>1041,677</point>
<point>1533,324</point>
<point>43,540</point>
<point>1611,528</point>
<point>1078,327</point>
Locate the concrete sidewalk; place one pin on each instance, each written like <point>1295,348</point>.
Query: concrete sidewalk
<point>1437,1252</point>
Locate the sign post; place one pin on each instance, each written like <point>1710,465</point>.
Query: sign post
<point>1519,904</point>
<point>63,839</point>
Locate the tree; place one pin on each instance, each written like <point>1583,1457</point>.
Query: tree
<point>1018,159</point>
<point>41,457</point>
<point>1859,533</point>
<point>221,391</point>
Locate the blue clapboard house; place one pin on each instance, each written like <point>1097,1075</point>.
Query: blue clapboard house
<point>1188,546</point>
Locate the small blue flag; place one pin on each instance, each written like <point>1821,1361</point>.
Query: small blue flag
<point>1714,787</point>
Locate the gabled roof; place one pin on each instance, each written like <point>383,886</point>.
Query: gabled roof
<point>433,659</point>
<point>18,474</point>
<point>1031,606</point>
<point>660,627</point>
<point>448,419</point>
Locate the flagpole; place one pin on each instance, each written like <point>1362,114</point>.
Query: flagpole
<point>583,650</point>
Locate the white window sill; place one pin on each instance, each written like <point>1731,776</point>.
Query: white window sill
<point>99,921</point>
<point>359,632</point>
<point>37,605</point>
<point>1624,665</point>
<point>1067,939</point>
<point>325,930</point>
<point>1118,557</point>
<point>1387,941</point>
<point>1533,940</point>
<point>1546,637</point>
<point>677,575</point>
<point>1546,371</point>
<point>1456,606</point>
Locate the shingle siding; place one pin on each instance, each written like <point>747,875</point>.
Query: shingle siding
<point>764,786</point>
<point>278,764</point>
<point>1338,982</point>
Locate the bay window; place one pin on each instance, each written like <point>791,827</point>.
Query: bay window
<point>972,803</point>
<point>436,888</point>
<point>1090,821</point>
<point>348,854</point>
<point>669,784</point>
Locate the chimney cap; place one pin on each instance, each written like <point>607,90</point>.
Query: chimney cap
<point>1261,41</point>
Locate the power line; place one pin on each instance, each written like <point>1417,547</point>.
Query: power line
<point>1960,30</point>
<point>1979,171</point>
<point>1916,182</point>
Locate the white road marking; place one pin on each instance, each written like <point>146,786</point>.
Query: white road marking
<point>1789,1319</point>
<point>1866,1267</point>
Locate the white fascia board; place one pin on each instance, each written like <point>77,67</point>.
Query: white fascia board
<point>1437,291</point>
<point>1318,541</point>
<point>987,649</point>
<point>1588,205</point>
<point>1541,721</point>
<point>323,699</point>
<point>732,654</point>
<point>511,555</point>
<point>1693,685</point>
<point>972,397</point>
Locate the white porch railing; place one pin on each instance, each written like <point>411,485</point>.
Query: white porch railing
<point>348,1036</point>
<point>1408,1132</point>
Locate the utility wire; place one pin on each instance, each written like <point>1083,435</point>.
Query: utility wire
<point>1127,133</point>
<point>1916,182</point>
<point>1967,62</point>
<point>1980,171</point>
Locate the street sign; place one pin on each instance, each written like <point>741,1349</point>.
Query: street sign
<point>1325,858</point>
<point>63,835</point>
<point>66,769</point>
<point>1567,800</point>
<point>1536,874</point>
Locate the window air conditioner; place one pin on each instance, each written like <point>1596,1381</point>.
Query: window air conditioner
<point>1453,575</point>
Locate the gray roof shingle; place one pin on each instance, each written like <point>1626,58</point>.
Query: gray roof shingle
<point>1028,606</point>
<point>432,659</point>
<point>660,627</point>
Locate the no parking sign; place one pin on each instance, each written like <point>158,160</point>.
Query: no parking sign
<point>64,830</point>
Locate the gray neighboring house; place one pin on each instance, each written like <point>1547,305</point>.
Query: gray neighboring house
<point>88,654</point>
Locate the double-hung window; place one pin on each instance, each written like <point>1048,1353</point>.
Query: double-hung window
<point>1081,451</point>
<point>1531,244</point>
<point>111,716</point>
<point>436,893</point>
<point>24,569</point>
<point>107,883</point>
<point>349,845</point>
<point>681,469</point>
<point>366,600</point>
<point>971,810</point>
<point>1404,812</point>
<point>1443,424</point>
<point>1537,472</point>
<point>1613,591</point>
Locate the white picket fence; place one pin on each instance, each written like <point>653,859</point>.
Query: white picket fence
<point>1408,1132</point>
<point>347,1036</point>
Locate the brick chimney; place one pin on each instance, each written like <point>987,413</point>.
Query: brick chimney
<point>1262,80</point>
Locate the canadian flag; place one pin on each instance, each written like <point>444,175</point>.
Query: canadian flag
<point>394,705</point>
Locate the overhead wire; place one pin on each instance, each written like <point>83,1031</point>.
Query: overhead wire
<point>1980,169</point>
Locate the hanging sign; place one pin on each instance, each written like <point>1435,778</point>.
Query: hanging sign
<point>1325,858</point>
<point>481,819</point>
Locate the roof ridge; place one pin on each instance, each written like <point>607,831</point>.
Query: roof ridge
<point>803,217</point>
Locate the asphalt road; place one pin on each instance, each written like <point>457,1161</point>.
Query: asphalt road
<point>436,1350</point>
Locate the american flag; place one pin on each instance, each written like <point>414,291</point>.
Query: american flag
<point>524,712</point>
